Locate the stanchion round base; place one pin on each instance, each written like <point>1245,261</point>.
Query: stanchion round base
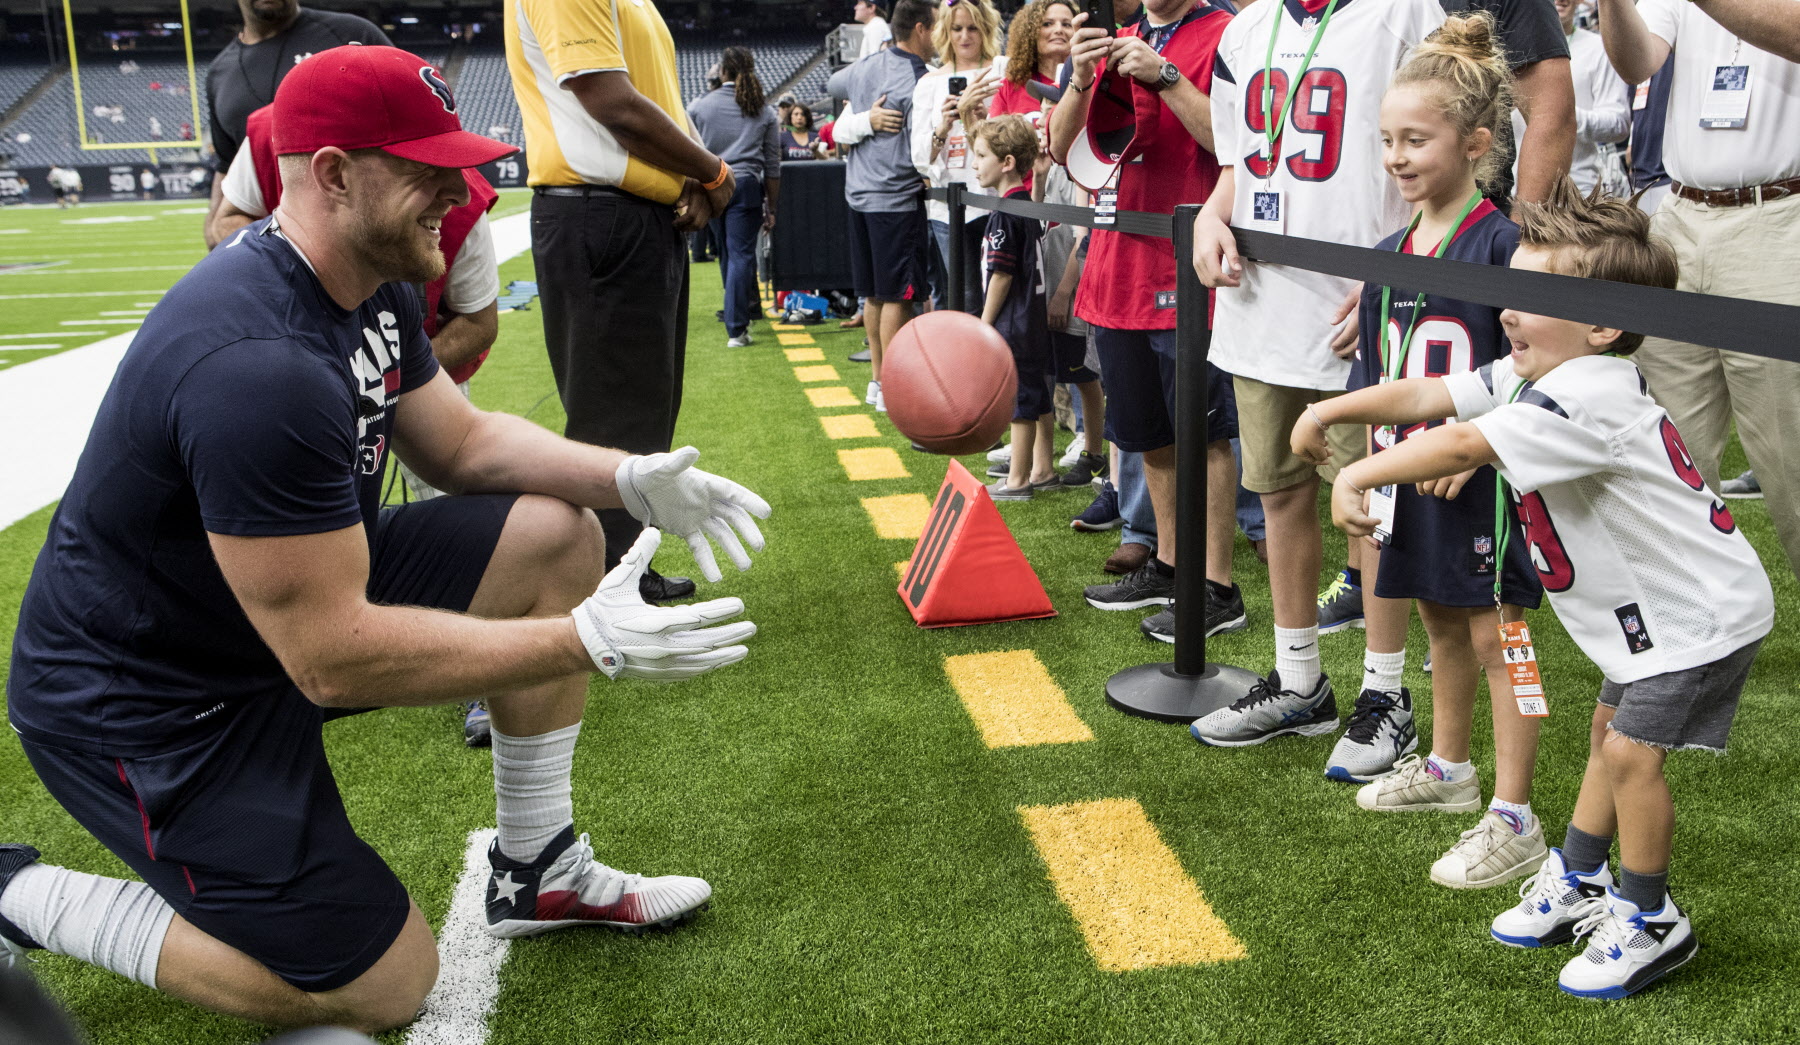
<point>1157,691</point>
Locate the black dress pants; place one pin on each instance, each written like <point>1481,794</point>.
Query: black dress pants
<point>613,285</point>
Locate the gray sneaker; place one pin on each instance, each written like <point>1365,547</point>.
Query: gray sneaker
<point>1267,712</point>
<point>1001,492</point>
<point>1743,488</point>
<point>1491,853</point>
<point>1140,589</point>
<point>1381,732</point>
<point>1414,787</point>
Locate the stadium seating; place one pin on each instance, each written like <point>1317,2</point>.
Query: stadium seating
<point>778,56</point>
<point>484,97</point>
<point>50,122</point>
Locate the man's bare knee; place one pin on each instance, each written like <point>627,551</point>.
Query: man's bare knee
<point>551,555</point>
<point>391,993</point>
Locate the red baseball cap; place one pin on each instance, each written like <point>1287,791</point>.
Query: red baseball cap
<point>364,97</point>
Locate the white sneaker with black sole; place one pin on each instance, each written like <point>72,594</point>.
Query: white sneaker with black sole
<point>1381,732</point>
<point>567,887</point>
<point>1076,446</point>
<point>1550,903</point>
<point>1628,949</point>
<point>1267,712</point>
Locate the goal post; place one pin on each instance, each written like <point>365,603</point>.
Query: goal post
<point>187,40</point>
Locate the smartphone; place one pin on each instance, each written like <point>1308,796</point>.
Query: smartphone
<point>1100,16</point>
<point>959,84</point>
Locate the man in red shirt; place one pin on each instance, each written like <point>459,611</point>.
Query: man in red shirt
<point>1137,123</point>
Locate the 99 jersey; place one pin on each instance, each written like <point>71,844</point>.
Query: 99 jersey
<point>1276,327</point>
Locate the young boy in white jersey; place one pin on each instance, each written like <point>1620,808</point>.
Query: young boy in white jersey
<point>1643,563</point>
<point>1296,96</point>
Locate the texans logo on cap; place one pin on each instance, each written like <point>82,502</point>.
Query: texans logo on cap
<point>438,87</point>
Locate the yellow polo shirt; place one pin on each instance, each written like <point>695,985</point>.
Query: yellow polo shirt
<point>549,42</point>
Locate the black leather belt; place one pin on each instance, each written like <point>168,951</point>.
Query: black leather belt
<point>581,190</point>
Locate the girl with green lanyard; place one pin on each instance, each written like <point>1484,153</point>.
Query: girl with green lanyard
<point>1438,123</point>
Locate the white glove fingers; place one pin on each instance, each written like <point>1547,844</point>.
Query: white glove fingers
<point>633,563</point>
<point>715,610</point>
<point>735,515</point>
<point>734,550</point>
<point>688,665</point>
<point>703,557</point>
<point>742,496</point>
<point>714,638</point>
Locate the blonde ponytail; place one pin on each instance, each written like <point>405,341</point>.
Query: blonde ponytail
<point>1463,59</point>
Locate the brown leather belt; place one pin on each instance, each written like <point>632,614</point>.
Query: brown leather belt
<point>1739,197</point>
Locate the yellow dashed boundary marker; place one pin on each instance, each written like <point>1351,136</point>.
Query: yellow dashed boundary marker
<point>810,374</point>
<point>900,517</point>
<point>804,355</point>
<point>1013,699</point>
<point>900,569</point>
<point>1135,904</point>
<point>835,395</point>
<point>872,462</point>
<point>849,426</point>
<point>795,339</point>
<point>787,326</point>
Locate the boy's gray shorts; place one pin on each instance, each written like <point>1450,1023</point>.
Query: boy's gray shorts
<point>1682,709</point>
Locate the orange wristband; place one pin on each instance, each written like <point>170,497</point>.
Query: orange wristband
<point>719,179</point>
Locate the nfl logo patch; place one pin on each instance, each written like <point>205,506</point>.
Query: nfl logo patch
<point>1484,546</point>
<point>1632,626</point>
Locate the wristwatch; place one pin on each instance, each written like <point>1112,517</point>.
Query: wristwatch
<point>1169,77</point>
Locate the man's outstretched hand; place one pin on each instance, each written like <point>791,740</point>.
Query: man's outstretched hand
<point>627,636</point>
<point>668,492</point>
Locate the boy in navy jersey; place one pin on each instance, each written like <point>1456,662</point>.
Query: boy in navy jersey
<point>1005,149</point>
<point>1643,563</point>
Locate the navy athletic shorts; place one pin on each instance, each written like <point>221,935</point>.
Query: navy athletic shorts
<point>888,260</point>
<point>1068,353</point>
<point>1137,369</point>
<point>244,833</point>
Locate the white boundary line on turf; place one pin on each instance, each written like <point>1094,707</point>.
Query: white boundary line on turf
<point>47,405</point>
<point>456,1011</point>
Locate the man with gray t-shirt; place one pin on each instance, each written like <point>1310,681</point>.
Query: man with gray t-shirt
<point>888,233</point>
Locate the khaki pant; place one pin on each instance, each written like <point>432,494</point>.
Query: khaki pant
<point>1266,417</point>
<point>1746,252</point>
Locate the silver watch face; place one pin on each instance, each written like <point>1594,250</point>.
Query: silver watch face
<point>1170,73</point>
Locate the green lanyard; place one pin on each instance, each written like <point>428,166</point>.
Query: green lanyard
<point>1272,128</point>
<point>1395,366</point>
<point>1502,532</point>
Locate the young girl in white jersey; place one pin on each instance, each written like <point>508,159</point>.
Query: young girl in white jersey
<point>1644,565</point>
<point>1443,547</point>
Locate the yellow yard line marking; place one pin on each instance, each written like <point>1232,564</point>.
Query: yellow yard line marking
<point>804,355</point>
<point>900,517</point>
<point>832,395</point>
<point>900,569</point>
<point>1134,903</point>
<point>787,326</point>
<point>809,374</point>
<point>873,462</point>
<point>1013,699</point>
<point>795,339</point>
<point>849,426</point>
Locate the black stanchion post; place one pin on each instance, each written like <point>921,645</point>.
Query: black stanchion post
<point>954,262</point>
<point>1190,687</point>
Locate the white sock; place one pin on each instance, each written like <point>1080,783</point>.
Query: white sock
<point>1452,771</point>
<point>1381,671</point>
<point>1522,811</point>
<point>532,797</point>
<point>109,922</point>
<point>1297,658</point>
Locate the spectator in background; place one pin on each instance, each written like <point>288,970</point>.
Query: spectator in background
<point>1543,90</point>
<point>616,178</point>
<point>147,183</point>
<point>155,128</point>
<point>734,122</point>
<point>1649,112</point>
<point>243,78</point>
<point>799,141</point>
<point>1037,45</point>
<point>876,31</point>
<point>967,37</point>
<point>886,195</point>
<point>1733,217</point>
<point>1153,76</point>
<point>1602,108</point>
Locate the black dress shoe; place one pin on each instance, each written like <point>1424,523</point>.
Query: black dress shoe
<point>654,587</point>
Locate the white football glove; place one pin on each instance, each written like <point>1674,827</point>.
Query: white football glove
<point>668,492</point>
<point>627,636</point>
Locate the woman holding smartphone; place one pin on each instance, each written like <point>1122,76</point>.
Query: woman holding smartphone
<point>967,35</point>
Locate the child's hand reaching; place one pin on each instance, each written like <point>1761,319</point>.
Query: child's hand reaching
<point>1308,439</point>
<point>1350,508</point>
<point>1447,486</point>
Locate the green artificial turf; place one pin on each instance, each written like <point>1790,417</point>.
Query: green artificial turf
<point>873,879</point>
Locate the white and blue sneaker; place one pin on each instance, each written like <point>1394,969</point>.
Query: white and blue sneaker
<point>1267,712</point>
<point>1381,732</point>
<point>1550,903</point>
<point>566,887</point>
<point>1628,949</point>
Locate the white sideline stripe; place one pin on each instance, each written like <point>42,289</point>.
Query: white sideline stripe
<point>138,312</point>
<point>99,322</point>
<point>78,294</point>
<point>456,1011</point>
<point>47,333</point>
<point>29,347</point>
<point>95,272</point>
<point>48,404</point>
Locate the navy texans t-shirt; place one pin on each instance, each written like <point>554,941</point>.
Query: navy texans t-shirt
<point>250,404</point>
